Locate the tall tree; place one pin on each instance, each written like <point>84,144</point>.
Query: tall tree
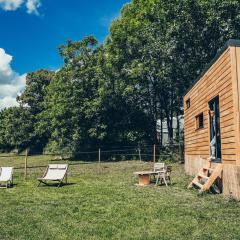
<point>35,90</point>
<point>115,93</point>
<point>69,95</point>
<point>16,128</point>
<point>157,48</point>
<point>32,99</point>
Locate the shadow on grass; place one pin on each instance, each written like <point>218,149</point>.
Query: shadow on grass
<point>56,185</point>
<point>9,187</point>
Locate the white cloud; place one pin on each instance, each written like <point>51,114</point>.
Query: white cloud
<point>12,5</point>
<point>6,71</point>
<point>8,102</point>
<point>32,6</point>
<point>11,83</point>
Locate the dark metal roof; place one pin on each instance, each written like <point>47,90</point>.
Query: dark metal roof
<point>229,43</point>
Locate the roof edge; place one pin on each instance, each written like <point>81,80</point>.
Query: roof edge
<point>229,43</point>
<point>233,43</point>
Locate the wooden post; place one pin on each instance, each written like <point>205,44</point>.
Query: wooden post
<point>154,153</point>
<point>180,152</point>
<point>139,153</point>
<point>99,159</point>
<point>25,167</point>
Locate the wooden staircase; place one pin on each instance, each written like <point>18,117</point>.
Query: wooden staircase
<point>206,177</point>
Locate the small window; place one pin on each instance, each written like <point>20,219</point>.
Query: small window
<point>188,103</point>
<point>200,121</point>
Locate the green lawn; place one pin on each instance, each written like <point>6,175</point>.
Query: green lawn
<point>106,204</point>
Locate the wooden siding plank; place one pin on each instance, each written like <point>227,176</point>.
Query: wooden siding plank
<point>237,50</point>
<point>217,81</point>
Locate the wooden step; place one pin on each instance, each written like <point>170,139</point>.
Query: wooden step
<point>208,169</point>
<point>197,184</point>
<point>214,174</point>
<point>203,176</point>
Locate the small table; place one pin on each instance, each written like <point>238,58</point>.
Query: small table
<point>144,177</point>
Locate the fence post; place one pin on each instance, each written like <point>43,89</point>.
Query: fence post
<point>99,159</point>
<point>25,167</point>
<point>139,153</point>
<point>154,153</point>
<point>181,153</point>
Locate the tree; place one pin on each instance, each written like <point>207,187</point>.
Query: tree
<point>158,48</point>
<point>16,128</point>
<point>69,94</point>
<point>116,92</point>
<point>32,99</point>
<point>35,90</point>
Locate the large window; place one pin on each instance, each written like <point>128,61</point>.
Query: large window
<point>200,121</point>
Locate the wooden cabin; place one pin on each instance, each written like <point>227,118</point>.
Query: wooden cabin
<point>212,119</point>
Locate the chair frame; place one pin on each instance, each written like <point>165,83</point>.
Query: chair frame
<point>9,183</point>
<point>61,181</point>
<point>158,166</point>
<point>164,176</point>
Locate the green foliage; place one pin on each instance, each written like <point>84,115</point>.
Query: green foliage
<point>16,128</point>
<point>114,93</point>
<point>18,125</point>
<point>67,111</point>
<point>35,91</point>
<point>158,48</point>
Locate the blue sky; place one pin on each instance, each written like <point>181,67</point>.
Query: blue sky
<point>31,31</point>
<point>33,39</point>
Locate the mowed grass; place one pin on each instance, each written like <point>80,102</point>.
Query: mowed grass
<point>104,203</point>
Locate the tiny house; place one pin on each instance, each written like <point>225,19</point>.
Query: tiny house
<point>212,119</point>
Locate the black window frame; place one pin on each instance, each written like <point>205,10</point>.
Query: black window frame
<point>188,103</point>
<point>200,121</point>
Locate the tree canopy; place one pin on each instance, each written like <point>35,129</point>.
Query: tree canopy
<point>114,92</point>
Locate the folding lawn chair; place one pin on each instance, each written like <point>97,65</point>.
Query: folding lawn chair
<point>6,176</point>
<point>54,172</point>
<point>164,175</point>
<point>158,166</point>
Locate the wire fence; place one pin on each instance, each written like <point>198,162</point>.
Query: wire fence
<point>28,163</point>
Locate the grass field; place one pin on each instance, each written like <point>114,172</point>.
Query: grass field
<point>106,204</point>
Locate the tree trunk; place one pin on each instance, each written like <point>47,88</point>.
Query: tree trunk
<point>178,128</point>
<point>161,132</point>
<point>170,128</point>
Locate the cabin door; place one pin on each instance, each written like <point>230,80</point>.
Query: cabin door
<point>215,137</point>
